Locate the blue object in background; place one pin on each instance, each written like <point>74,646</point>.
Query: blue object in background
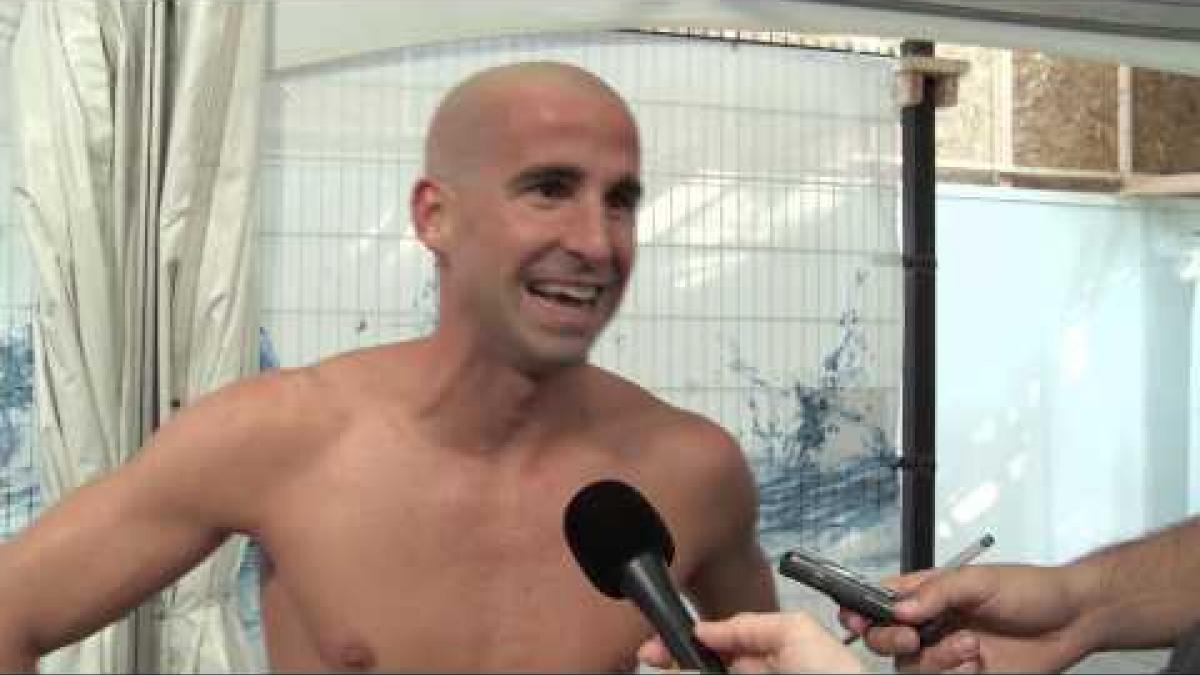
<point>252,560</point>
<point>16,387</point>
<point>20,493</point>
<point>806,497</point>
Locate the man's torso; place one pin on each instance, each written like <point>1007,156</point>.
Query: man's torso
<point>414,557</point>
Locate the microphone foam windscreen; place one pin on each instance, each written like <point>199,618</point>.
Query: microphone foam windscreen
<point>607,524</point>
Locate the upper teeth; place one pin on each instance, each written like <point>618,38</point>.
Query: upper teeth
<point>580,293</point>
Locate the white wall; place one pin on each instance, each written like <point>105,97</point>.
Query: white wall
<point>1064,353</point>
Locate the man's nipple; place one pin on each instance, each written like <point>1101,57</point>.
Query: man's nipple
<point>352,655</point>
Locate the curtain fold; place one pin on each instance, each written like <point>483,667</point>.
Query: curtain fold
<point>76,87</point>
<point>206,310</point>
<point>137,199</point>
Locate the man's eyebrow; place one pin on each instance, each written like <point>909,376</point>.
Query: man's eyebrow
<point>536,174</point>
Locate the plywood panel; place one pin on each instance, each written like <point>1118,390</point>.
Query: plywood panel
<point>1064,113</point>
<point>1166,122</point>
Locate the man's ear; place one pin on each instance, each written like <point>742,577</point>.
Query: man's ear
<point>428,205</point>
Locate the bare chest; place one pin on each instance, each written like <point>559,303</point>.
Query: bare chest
<point>445,572</point>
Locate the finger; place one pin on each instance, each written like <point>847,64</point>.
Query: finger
<point>961,588</point>
<point>907,664</point>
<point>853,621</point>
<point>744,634</point>
<point>972,666</point>
<point>653,652</point>
<point>958,652</point>
<point>907,583</point>
<point>894,640</point>
<point>752,665</point>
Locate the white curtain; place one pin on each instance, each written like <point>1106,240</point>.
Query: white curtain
<point>137,124</point>
<point>207,317</point>
<point>77,116</point>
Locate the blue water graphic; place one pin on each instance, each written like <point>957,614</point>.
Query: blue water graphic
<point>808,496</point>
<point>20,494</point>
<point>16,387</point>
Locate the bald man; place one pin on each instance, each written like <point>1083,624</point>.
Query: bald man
<point>409,497</point>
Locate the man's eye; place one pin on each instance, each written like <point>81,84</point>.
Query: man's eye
<point>552,189</point>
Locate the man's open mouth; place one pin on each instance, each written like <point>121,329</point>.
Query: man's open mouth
<point>571,295</point>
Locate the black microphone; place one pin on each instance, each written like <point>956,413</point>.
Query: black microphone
<point>624,548</point>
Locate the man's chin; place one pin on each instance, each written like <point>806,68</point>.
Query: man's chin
<point>549,359</point>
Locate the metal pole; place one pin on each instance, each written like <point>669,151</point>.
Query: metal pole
<point>917,188</point>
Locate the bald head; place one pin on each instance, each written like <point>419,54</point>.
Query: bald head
<point>464,125</point>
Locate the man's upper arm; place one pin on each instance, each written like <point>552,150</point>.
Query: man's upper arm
<point>111,543</point>
<point>735,575</point>
<point>736,579</point>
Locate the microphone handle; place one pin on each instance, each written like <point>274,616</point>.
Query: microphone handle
<point>648,584</point>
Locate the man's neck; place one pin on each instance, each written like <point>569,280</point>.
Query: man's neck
<point>471,400</point>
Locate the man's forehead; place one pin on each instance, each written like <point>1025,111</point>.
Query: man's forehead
<point>589,153</point>
<point>550,104</point>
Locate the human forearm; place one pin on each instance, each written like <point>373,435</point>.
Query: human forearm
<point>18,648</point>
<point>1142,593</point>
<point>17,662</point>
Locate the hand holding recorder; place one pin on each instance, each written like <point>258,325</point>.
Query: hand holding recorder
<point>981,618</point>
<point>874,602</point>
<point>1014,618</point>
<point>1136,594</point>
<point>1024,618</point>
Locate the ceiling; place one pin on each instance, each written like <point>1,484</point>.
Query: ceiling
<point>1162,34</point>
<point>1163,19</point>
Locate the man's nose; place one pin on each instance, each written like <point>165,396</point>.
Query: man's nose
<point>590,236</point>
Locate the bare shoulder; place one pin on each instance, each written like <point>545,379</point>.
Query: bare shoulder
<point>290,410</point>
<point>274,402</point>
<point>263,425</point>
<point>677,439</point>
<point>697,474</point>
<point>694,468</point>
<point>224,457</point>
<point>371,373</point>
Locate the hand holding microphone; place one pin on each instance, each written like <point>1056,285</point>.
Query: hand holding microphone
<point>767,642</point>
<point>624,548</point>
